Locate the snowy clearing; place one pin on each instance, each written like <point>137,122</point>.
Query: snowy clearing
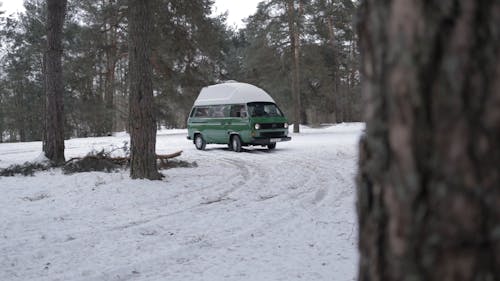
<point>258,215</point>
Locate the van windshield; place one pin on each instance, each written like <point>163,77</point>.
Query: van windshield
<point>263,109</point>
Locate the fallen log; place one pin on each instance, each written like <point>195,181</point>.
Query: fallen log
<point>168,156</point>
<point>94,162</point>
<point>123,160</point>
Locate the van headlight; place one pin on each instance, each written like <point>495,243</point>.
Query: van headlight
<point>285,125</point>
<point>257,126</point>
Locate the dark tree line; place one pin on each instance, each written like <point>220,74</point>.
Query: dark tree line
<point>95,65</point>
<point>306,47</point>
<point>189,50</point>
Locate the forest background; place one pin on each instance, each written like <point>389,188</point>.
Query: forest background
<point>192,48</point>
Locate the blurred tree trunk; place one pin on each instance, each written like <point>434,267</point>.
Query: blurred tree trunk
<point>294,30</point>
<point>53,144</point>
<point>429,178</point>
<point>141,117</point>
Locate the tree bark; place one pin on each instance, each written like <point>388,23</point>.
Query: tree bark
<point>141,116</point>
<point>293,27</point>
<point>429,178</point>
<point>53,144</point>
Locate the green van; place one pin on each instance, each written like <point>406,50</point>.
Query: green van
<point>236,114</point>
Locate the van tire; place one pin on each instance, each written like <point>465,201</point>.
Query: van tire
<point>236,143</point>
<point>199,142</point>
<point>271,146</point>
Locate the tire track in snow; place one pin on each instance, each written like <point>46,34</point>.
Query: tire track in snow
<point>284,198</point>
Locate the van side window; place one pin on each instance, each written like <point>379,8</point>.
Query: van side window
<point>238,111</point>
<point>201,112</point>
<point>263,109</point>
<point>218,111</point>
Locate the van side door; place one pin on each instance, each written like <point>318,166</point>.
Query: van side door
<point>219,119</point>
<point>197,121</point>
<point>238,122</point>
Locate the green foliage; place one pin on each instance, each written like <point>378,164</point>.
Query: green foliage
<point>21,96</point>
<point>188,54</point>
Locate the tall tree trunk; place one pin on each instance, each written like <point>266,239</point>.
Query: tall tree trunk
<point>141,116</point>
<point>1,124</point>
<point>429,178</point>
<point>336,81</point>
<point>121,100</point>
<point>20,118</point>
<point>111,51</point>
<point>293,27</point>
<point>54,116</point>
<point>353,64</point>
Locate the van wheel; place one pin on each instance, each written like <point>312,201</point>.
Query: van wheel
<point>271,146</point>
<point>236,143</point>
<point>199,142</point>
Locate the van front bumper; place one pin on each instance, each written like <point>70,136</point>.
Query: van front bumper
<point>266,141</point>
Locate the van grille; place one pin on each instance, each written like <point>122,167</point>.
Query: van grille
<point>272,134</point>
<point>272,125</point>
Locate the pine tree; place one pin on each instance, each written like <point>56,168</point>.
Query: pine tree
<point>294,25</point>
<point>142,120</point>
<point>53,145</point>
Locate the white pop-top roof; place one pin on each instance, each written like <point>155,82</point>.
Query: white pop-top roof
<point>231,93</point>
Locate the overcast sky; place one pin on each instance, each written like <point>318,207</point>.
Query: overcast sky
<point>238,9</point>
<point>11,6</point>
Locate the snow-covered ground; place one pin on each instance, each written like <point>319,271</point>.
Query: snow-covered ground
<point>258,215</point>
